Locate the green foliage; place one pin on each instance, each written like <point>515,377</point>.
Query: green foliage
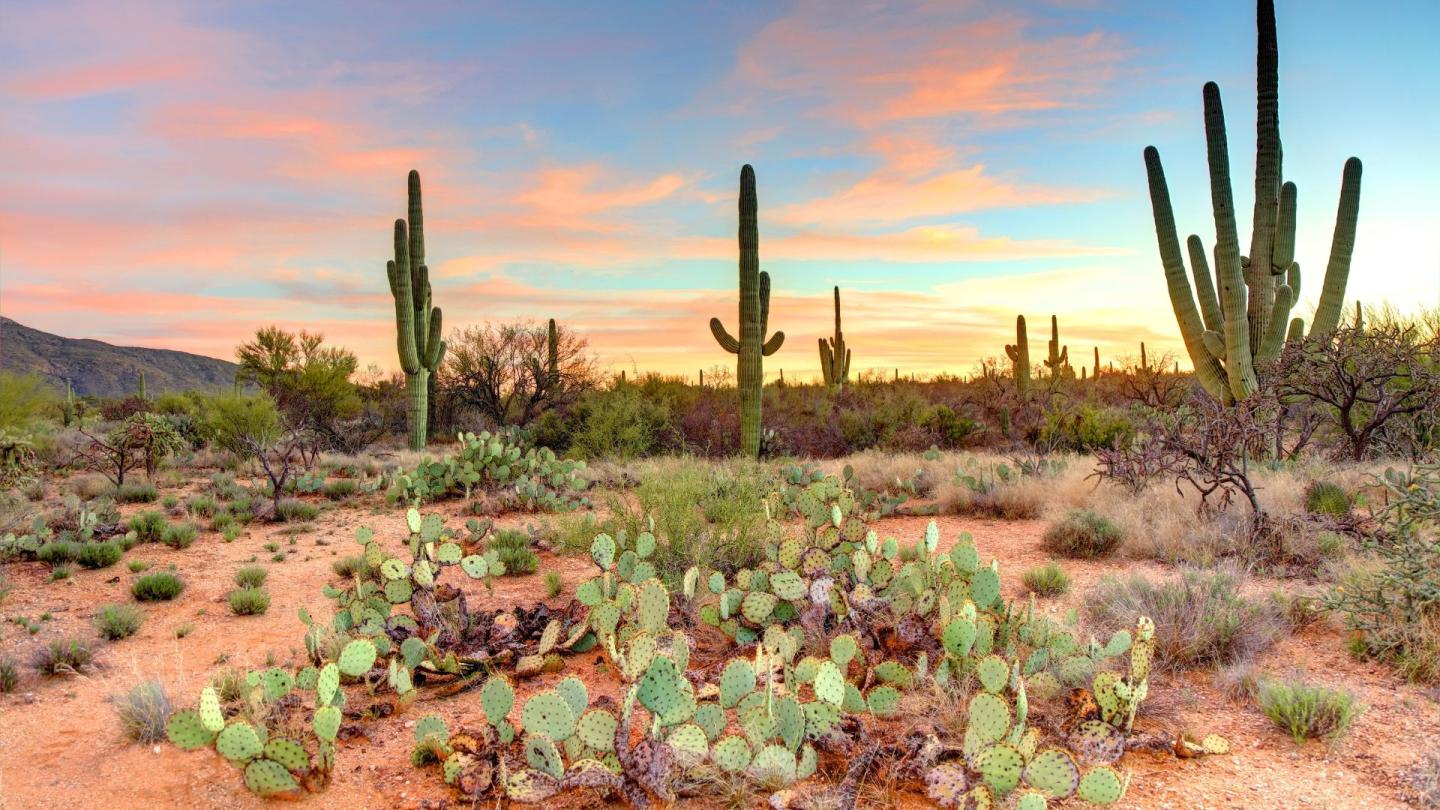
<point>1307,711</point>
<point>179,535</point>
<point>24,399</point>
<point>249,601</point>
<point>136,492</point>
<point>148,526</point>
<point>619,424</point>
<point>242,424</point>
<point>339,489</point>
<point>9,676</point>
<point>554,585</point>
<point>98,555</point>
<point>512,547</point>
<point>500,463</point>
<point>114,622</point>
<point>201,506</point>
<point>160,586</point>
<point>58,552</point>
<point>1082,533</point>
<point>294,510</point>
<point>63,656</point>
<point>1046,580</point>
<point>1326,498</point>
<point>1086,428</point>
<point>251,576</point>
<point>143,712</point>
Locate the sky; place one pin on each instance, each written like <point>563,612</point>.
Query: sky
<point>178,174</point>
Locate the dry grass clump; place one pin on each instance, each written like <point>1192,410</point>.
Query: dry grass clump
<point>1082,533</point>
<point>910,473</point>
<point>1307,711</point>
<point>1021,499</point>
<point>1200,617</point>
<point>143,712</point>
<point>1046,580</point>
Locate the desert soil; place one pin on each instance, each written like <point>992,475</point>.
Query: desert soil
<point>61,744</point>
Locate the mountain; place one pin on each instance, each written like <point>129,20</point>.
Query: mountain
<point>97,368</point>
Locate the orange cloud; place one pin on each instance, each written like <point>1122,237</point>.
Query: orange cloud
<point>569,191</point>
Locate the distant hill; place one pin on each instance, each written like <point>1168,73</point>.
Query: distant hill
<point>100,369</point>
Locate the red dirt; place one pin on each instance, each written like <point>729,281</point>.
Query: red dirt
<point>63,745</point>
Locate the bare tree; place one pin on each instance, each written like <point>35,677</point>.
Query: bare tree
<point>505,371</point>
<point>1368,383</point>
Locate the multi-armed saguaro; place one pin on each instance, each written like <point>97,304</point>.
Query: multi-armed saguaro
<point>1019,355</point>
<point>1059,355</point>
<point>751,346</point>
<point>1242,315</point>
<point>417,323</point>
<point>834,354</point>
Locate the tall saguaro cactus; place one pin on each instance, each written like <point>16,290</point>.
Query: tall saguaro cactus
<point>1019,355</point>
<point>751,346</point>
<point>1059,356</point>
<point>552,353</point>
<point>834,355</point>
<point>1243,314</point>
<point>417,323</point>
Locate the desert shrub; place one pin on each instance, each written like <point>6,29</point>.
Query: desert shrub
<point>513,548</point>
<point>221,521</point>
<point>89,486</point>
<point>62,656</point>
<point>1082,533</point>
<point>148,526</point>
<point>60,572</point>
<point>1307,711</point>
<point>114,622</point>
<point>249,601</point>
<point>230,684</point>
<point>201,506</point>
<point>160,586</point>
<point>1086,428</point>
<point>293,510</point>
<point>1200,618</point>
<point>136,492</point>
<point>554,585</point>
<point>251,576</point>
<point>170,501</point>
<point>136,566</point>
<point>1238,680</point>
<point>179,535</point>
<point>58,552</point>
<point>1047,580</point>
<point>338,489</point>
<point>9,676</point>
<point>1325,498</point>
<point>619,424</point>
<point>143,712</point>
<point>350,566</point>
<point>950,429</point>
<point>24,398</point>
<point>98,555</point>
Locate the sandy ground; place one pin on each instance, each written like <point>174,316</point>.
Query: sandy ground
<point>61,744</point>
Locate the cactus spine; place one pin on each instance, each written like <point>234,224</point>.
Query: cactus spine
<point>834,355</point>
<point>751,346</point>
<point>1059,355</point>
<point>1243,315</point>
<point>1019,355</point>
<point>417,323</point>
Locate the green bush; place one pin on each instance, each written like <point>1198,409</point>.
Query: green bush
<point>350,566</point>
<point>136,492</point>
<point>114,622</point>
<point>338,489</point>
<point>554,585</point>
<point>1325,498</point>
<point>1086,428</point>
<point>251,576</point>
<point>60,572</point>
<point>294,510</point>
<point>513,549</point>
<point>58,552</point>
<point>249,601</point>
<point>63,656</point>
<point>179,535</point>
<point>620,424</point>
<point>160,586</point>
<point>201,506</point>
<point>148,526</point>
<point>1047,580</point>
<point>1082,533</point>
<point>98,555</point>
<point>1306,711</point>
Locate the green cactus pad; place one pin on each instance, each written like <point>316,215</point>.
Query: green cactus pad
<point>1000,766</point>
<point>808,761</point>
<point>959,636</point>
<point>327,723</point>
<point>288,753</point>
<point>993,672</point>
<point>757,606</point>
<point>604,618</point>
<point>653,606</point>
<point>660,689</point>
<point>716,583</point>
<point>731,754</point>
<point>575,694</point>
<point>946,784</point>
<point>644,545</point>
<point>1101,785</point>
<point>689,744</point>
<point>239,743</point>
<point>989,716</point>
<point>542,755</point>
<point>985,587</point>
<point>398,591</point>
<point>773,765</point>
<point>448,554</point>
<point>1031,800</point>
<point>602,551</point>
<point>820,717</point>
<point>187,732</point>
<point>267,778</point>
<point>357,658</point>
<point>894,673</point>
<point>393,568</point>
<point>883,701</point>
<point>789,721</point>
<point>547,713</point>
<point>843,649</point>
<point>596,728</point>
<point>327,683</point>
<point>736,681</point>
<point>830,684</point>
<point>431,726</point>
<point>788,585</point>
<point>475,566</point>
<point>211,717</point>
<point>1054,773</point>
<point>854,702</point>
<point>1076,670</point>
<point>711,718</point>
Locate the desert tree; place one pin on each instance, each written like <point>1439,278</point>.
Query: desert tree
<point>252,428</point>
<point>512,372</point>
<point>142,440</point>
<point>310,383</point>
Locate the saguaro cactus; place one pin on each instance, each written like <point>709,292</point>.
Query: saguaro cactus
<point>417,323</point>
<point>1096,375</point>
<point>552,353</point>
<point>834,355</point>
<point>1242,314</point>
<point>140,392</point>
<point>1019,355</point>
<point>751,346</point>
<point>1059,356</point>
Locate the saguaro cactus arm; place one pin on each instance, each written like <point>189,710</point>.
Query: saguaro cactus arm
<point>1019,355</point>
<point>1342,247</point>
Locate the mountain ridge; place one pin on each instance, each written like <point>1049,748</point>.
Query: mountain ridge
<point>97,368</point>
